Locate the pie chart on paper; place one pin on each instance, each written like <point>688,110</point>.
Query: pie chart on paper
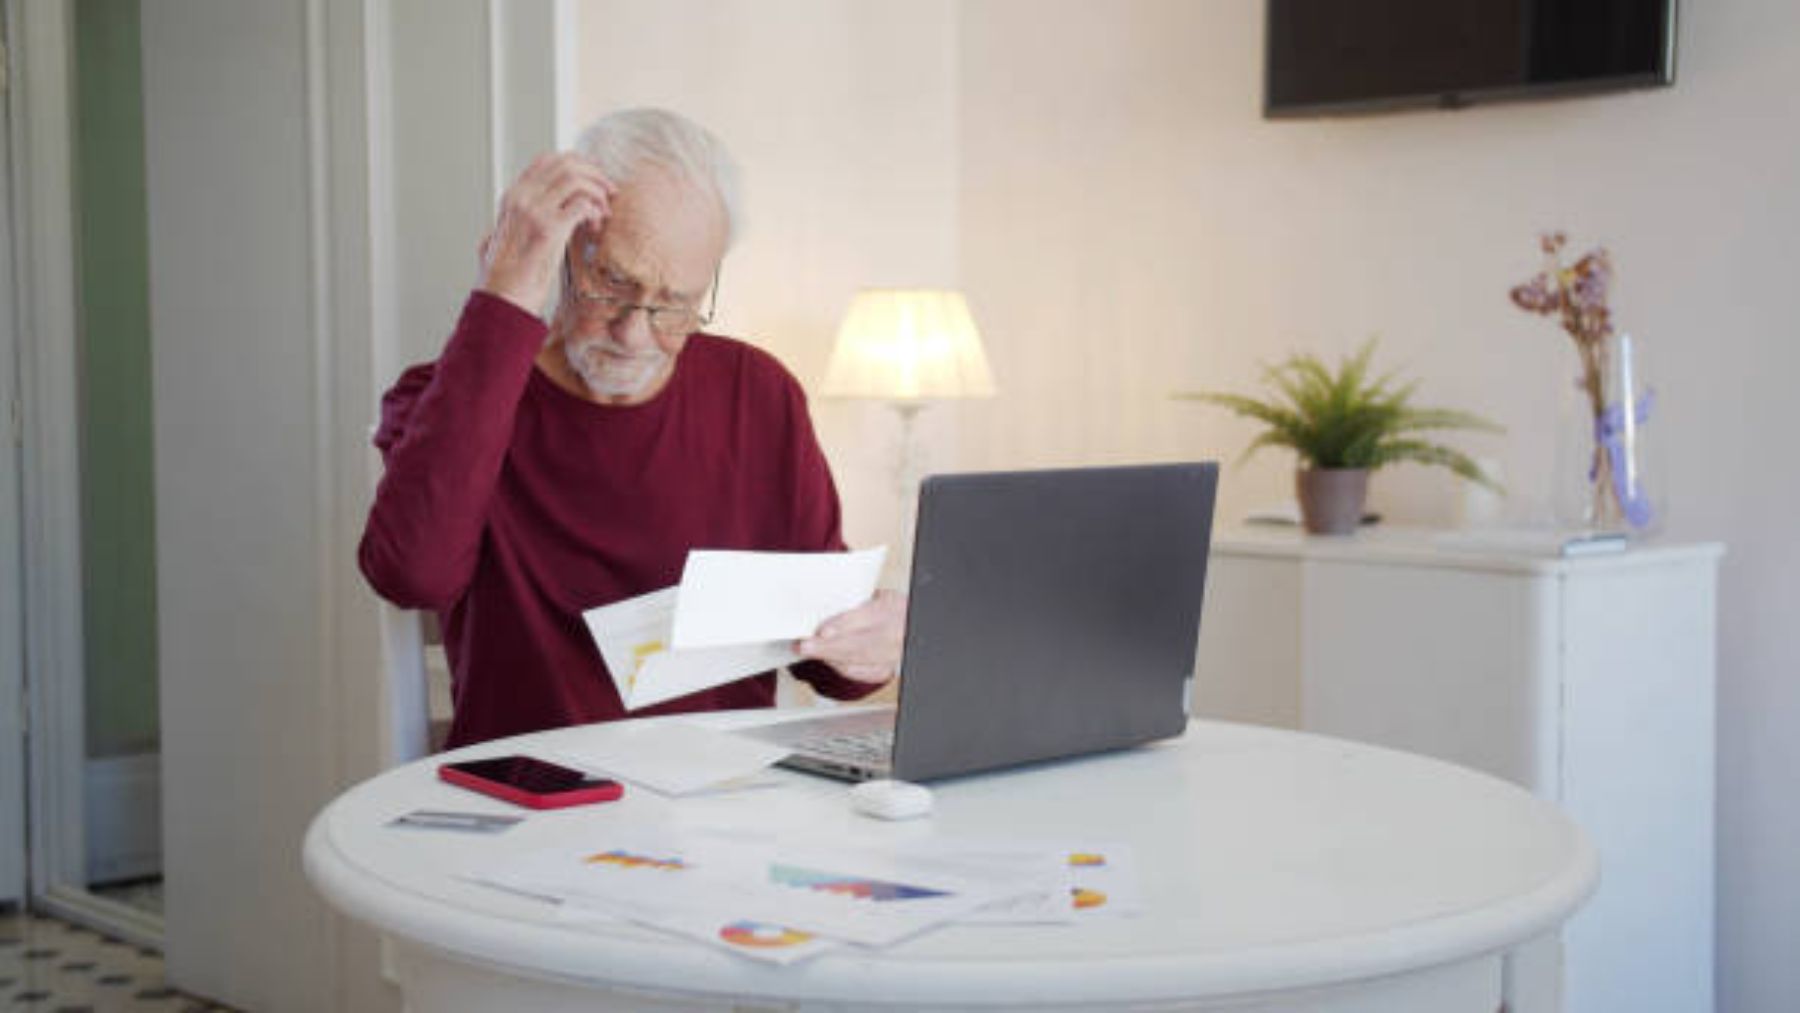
<point>761,935</point>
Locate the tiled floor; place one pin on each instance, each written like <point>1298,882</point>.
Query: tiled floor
<point>143,894</point>
<point>54,967</point>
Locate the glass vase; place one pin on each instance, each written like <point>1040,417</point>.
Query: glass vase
<point>1606,477</point>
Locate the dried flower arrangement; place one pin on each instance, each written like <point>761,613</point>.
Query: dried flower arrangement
<point>1577,295</point>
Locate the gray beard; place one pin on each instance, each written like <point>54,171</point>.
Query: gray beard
<point>611,376</point>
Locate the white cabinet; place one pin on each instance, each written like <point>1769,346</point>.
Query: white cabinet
<point>1587,680</point>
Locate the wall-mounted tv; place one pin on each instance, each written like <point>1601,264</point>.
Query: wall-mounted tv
<point>1335,56</point>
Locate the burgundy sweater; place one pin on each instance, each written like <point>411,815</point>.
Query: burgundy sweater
<point>509,506</point>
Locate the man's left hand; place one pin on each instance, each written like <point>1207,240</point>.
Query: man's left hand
<point>864,643</point>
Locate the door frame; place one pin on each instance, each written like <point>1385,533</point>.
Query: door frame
<point>44,218</point>
<point>12,602</point>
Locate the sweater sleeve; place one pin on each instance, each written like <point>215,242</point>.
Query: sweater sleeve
<point>443,436</point>
<point>817,526</point>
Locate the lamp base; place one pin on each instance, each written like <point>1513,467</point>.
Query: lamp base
<point>908,473</point>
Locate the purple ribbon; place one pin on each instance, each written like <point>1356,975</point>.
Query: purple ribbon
<point>1609,432</point>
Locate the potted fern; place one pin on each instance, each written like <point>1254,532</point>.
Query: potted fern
<point>1343,425</point>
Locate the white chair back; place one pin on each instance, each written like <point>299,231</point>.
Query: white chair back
<point>406,697</point>
<point>406,724</point>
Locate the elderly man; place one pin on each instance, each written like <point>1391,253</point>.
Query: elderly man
<point>534,472</point>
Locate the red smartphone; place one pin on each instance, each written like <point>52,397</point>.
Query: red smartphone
<point>530,782</point>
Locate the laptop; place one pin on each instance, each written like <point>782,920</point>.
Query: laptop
<point>1051,614</point>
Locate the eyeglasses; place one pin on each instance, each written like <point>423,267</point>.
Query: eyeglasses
<point>668,321</point>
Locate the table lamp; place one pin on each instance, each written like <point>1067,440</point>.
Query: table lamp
<point>907,347</point>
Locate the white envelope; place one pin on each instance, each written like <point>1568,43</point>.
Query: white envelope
<point>734,614</point>
<point>741,597</point>
<point>668,756</point>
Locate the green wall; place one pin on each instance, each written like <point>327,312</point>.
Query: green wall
<point>117,476</point>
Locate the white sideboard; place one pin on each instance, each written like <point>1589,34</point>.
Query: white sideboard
<point>1588,680</point>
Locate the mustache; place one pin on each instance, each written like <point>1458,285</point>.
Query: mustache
<point>601,344</point>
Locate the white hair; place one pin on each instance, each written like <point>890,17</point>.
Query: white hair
<point>628,140</point>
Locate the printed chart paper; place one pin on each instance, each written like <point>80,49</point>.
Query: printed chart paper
<point>1072,881</point>
<point>733,615</point>
<point>1043,873</point>
<point>1103,880</point>
<point>634,638</point>
<point>658,877</point>
<point>764,941</point>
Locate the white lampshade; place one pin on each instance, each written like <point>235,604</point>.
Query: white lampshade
<point>908,345</point>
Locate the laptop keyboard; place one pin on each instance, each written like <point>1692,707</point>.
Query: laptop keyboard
<point>867,748</point>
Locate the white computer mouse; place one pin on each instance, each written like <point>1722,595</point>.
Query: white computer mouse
<point>891,800</point>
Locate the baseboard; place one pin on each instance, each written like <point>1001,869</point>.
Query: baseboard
<point>124,817</point>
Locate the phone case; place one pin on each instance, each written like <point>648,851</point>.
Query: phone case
<point>606,791</point>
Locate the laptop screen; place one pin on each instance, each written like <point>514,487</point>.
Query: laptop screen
<point>1052,613</point>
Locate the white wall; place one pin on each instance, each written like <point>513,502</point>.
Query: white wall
<point>1131,225</point>
<point>258,203</point>
<point>318,172</point>
<point>844,118</point>
<point>240,620</point>
<point>1126,223</point>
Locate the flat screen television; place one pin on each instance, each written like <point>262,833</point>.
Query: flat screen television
<point>1335,56</point>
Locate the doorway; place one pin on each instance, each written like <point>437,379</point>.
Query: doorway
<point>120,772</point>
<point>82,519</point>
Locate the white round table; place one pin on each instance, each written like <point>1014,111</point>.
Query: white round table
<point>1280,871</point>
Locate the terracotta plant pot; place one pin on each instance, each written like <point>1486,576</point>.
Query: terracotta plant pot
<point>1331,499</point>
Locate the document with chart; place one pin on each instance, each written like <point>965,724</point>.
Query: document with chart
<point>676,879</point>
<point>733,614</point>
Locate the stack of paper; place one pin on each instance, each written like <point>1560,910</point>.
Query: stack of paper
<point>733,614</point>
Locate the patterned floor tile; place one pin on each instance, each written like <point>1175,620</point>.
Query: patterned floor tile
<point>50,966</point>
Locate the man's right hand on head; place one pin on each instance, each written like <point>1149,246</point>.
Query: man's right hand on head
<point>539,212</point>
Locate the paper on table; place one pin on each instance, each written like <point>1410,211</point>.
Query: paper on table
<point>1042,870</point>
<point>758,940</point>
<point>645,874</point>
<point>740,597</point>
<point>634,637</point>
<point>675,759</point>
<point>1071,881</point>
<point>1103,880</point>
